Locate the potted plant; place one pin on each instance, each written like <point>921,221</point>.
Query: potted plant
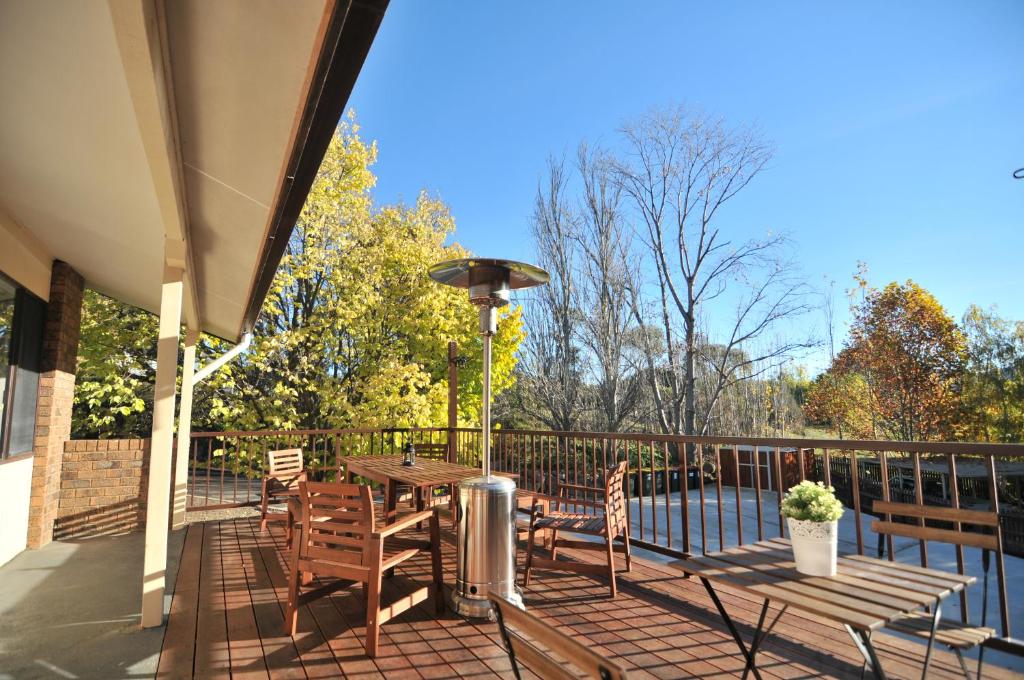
<point>812,513</point>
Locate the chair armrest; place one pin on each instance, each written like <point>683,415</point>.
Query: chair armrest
<point>580,487</point>
<point>404,523</point>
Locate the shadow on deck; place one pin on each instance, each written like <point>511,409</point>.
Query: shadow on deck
<point>226,621</point>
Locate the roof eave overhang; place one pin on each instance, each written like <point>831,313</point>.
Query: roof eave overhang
<point>350,32</point>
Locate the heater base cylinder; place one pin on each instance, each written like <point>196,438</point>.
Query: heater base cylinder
<point>486,516</point>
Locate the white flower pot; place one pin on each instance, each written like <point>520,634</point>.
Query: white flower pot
<point>815,545</point>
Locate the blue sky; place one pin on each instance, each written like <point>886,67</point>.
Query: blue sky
<point>896,126</point>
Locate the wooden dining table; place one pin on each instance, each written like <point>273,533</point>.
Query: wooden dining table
<point>422,476</point>
<point>864,595</point>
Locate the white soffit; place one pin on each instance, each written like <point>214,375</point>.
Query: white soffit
<point>241,71</point>
<point>73,169</point>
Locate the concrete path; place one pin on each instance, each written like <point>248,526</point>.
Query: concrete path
<point>71,610</point>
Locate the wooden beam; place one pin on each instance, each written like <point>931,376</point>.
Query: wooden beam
<point>141,40</point>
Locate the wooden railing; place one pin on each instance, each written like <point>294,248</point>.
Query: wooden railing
<point>686,494</point>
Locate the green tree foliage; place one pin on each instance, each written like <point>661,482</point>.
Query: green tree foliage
<point>352,334</point>
<point>993,393</point>
<point>116,369</point>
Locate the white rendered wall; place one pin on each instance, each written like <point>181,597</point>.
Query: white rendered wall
<point>15,491</point>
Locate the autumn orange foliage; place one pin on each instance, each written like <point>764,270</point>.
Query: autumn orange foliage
<point>900,374</point>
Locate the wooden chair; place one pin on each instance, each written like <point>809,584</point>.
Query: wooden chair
<point>285,471</point>
<point>608,527</point>
<point>538,659</point>
<point>959,636</point>
<point>338,540</point>
<point>431,451</point>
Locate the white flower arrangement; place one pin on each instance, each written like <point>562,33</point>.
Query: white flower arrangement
<point>812,501</point>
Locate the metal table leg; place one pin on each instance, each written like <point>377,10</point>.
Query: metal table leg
<point>760,633</point>
<point>862,638</point>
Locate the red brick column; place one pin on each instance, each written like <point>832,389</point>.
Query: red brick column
<point>56,396</point>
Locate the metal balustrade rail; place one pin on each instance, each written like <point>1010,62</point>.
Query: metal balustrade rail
<point>686,494</point>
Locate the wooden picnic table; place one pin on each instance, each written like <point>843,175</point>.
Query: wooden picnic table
<point>864,595</point>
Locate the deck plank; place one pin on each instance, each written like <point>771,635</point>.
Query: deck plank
<point>247,656</point>
<point>212,655</point>
<point>178,651</point>
<point>661,625</point>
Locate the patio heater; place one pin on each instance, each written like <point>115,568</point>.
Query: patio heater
<point>486,506</point>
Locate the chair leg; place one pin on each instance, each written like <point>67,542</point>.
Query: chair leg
<point>263,507</point>
<point>611,566</point>
<point>373,599</point>
<point>554,544</point>
<point>629,565</point>
<point>291,616</point>
<point>435,562</point>
<point>529,556</point>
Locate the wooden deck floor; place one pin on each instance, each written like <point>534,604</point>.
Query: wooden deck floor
<point>226,621</point>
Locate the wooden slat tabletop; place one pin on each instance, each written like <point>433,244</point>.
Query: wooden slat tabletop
<point>865,593</point>
<point>425,472</point>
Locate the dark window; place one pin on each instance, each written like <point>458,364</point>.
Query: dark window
<point>22,316</point>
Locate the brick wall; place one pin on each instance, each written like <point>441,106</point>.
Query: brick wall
<point>56,397</point>
<point>103,487</point>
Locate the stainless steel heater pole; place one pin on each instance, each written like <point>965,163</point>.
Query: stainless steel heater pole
<point>488,327</point>
<point>486,509</point>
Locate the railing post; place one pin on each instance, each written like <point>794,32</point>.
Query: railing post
<point>453,400</point>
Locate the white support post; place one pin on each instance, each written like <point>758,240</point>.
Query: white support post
<point>181,455</point>
<point>159,495</point>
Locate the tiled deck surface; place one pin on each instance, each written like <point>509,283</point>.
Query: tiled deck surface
<point>226,621</point>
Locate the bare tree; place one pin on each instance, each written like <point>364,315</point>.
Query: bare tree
<point>605,277</point>
<point>680,171</point>
<point>551,351</point>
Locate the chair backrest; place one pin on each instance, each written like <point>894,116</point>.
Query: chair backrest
<point>432,451</point>
<point>337,520</point>
<point>615,499</point>
<point>284,463</point>
<point>528,652</point>
<point>921,531</point>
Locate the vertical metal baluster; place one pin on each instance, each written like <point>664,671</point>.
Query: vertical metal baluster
<point>779,491</point>
<point>628,487</point>
<point>801,462</point>
<point>668,494</point>
<point>855,493</point>
<point>575,473</point>
<point>654,495</point>
<point>209,468</point>
<point>884,471</point>
<point>739,493</point>
<point>993,491</point>
<point>919,497</point>
<point>954,501</point>
<point>718,489</point>
<point>194,451</point>
<point>756,453</point>
<point>703,505</point>
<point>533,460</point>
<point>640,485</point>
<point>234,474</point>
<point>684,494</point>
